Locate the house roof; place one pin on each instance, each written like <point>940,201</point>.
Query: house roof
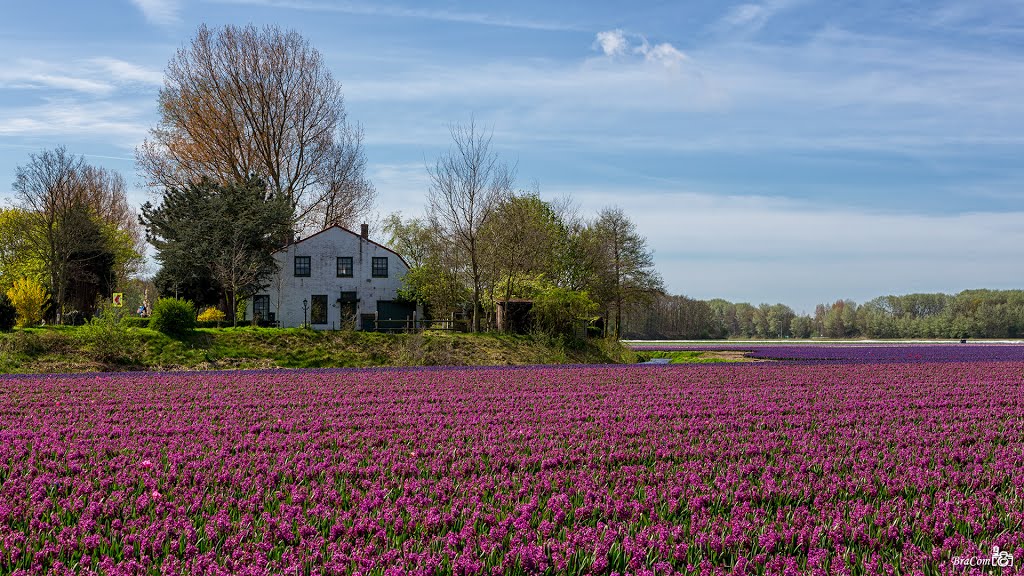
<point>343,229</point>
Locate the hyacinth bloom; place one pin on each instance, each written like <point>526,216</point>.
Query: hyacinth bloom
<point>840,467</point>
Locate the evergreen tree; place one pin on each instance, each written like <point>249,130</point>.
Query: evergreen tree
<point>216,239</point>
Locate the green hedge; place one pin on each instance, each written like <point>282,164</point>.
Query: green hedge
<point>135,322</point>
<point>138,322</point>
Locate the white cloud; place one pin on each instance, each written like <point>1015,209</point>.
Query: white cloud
<point>612,42</point>
<point>127,72</point>
<point>664,54</point>
<point>159,12</point>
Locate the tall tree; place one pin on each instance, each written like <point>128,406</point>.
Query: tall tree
<point>519,243</point>
<point>465,186</point>
<point>625,271</point>
<point>74,216</point>
<point>246,101</point>
<point>433,278</point>
<point>222,233</point>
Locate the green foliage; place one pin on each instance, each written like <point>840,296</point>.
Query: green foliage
<point>108,338</point>
<point>216,240</point>
<point>8,313</point>
<point>520,240</point>
<point>559,311</point>
<point>74,231</point>
<point>685,357</point>
<point>622,270</point>
<point>16,260</point>
<point>28,298</point>
<point>135,322</point>
<point>173,316</point>
<point>64,349</point>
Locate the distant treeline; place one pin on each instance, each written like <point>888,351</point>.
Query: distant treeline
<point>969,314</point>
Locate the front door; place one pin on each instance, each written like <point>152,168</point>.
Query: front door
<point>347,305</point>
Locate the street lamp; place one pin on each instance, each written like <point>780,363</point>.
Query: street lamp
<point>305,308</point>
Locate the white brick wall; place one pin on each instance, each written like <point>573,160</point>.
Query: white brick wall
<point>287,291</point>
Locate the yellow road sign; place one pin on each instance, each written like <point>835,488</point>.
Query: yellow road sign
<point>118,299</point>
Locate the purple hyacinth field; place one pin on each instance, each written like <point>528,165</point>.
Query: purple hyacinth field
<point>856,466</point>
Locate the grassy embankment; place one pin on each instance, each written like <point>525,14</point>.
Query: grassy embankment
<point>82,349</point>
<point>693,356</point>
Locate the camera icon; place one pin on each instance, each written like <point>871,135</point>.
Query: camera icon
<point>1001,559</point>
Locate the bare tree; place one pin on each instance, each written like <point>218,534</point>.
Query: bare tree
<point>238,102</point>
<point>240,275</point>
<point>466,184</point>
<point>348,196</point>
<point>106,193</point>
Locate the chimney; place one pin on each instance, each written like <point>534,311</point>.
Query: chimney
<point>364,231</point>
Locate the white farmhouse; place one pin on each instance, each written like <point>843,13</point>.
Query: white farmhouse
<point>333,279</point>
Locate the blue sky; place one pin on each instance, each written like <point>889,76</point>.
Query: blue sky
<point>784,150</point>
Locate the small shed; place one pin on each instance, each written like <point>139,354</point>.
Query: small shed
<point>514,315</point>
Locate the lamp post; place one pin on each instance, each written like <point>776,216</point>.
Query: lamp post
<point>305,308</point>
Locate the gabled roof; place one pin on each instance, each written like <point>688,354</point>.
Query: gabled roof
<point>343,229</point>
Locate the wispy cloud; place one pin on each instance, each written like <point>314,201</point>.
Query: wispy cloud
<point>36,75</point>
<point>751,17</point>
<point>392,11</point>
<point>159,12</point>
<point>94,76</point>
<point>122,123</point>
<point>126,72</point>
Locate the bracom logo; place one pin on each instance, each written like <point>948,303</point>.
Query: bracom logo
<point>999,558</point>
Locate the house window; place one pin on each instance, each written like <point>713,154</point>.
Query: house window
<point>344,267</point>
<point>261,308</point>
<point>318,309</point>
<point>302,266</point>
<point>380,267</point>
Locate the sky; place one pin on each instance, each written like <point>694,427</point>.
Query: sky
<point>777,151</point>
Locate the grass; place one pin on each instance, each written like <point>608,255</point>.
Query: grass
<point>692,356</point>
<point>79,349</point>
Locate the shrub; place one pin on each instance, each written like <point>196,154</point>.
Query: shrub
<point>173,316</point>
<point>28,297</point>
<point>8,314</point>
<point>211,314</point>
<point>108,338</point>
